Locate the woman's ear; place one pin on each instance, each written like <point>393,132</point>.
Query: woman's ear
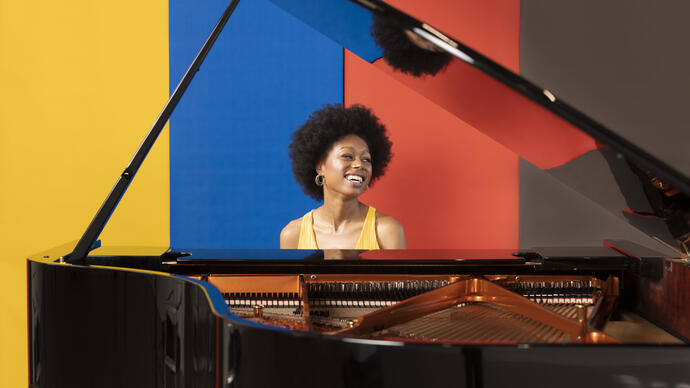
<point>319,168</point>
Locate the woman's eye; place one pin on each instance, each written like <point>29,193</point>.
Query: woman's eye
<point>348,157</point>
<point>367,160</point>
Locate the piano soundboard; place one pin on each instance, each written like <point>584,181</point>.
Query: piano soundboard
<point>464,308</point>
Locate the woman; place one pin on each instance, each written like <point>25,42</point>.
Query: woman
<point>336,155</point>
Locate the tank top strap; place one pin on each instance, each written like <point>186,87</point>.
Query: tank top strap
<point>367,239</point>
<point>307,238</point>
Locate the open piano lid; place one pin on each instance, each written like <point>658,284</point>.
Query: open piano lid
<point>554,136</point>
<point>650,193</point>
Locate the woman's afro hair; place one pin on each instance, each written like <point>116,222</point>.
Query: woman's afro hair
<point>401,53</point>
<point>314,138</point>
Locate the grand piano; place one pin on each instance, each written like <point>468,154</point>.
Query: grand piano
<point>613,315</point>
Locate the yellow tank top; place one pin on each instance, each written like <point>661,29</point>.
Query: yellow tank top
<point>367,239</point>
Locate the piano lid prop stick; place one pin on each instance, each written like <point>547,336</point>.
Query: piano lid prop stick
<point>96,226</point>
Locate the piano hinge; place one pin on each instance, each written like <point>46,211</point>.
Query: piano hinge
<point>683,256</point>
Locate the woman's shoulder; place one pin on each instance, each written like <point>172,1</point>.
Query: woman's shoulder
<point>289,236</point>
<point>390,232</point>
<point>384,222</point>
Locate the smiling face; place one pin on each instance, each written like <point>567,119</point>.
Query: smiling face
<point>347,166</point>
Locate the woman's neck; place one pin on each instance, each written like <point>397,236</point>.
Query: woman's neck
<point>338,211</point>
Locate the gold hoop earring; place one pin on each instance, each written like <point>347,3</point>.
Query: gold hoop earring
<point>319,180</point>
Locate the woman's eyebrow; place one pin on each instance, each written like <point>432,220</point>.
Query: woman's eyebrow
<point>350,148</point>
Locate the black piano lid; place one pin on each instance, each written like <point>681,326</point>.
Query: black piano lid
<point>596,261</point>
<point>412,257</point>
<point>641,180</point>
<point>635,171</point>
<point>181,255</point>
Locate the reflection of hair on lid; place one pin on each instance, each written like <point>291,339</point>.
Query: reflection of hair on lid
<point>406,52</point>
<point>313,139</point>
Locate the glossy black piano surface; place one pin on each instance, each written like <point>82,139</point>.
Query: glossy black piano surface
<point>612,315</point>
<point>205,321</point>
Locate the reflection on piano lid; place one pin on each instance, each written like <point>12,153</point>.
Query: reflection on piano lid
<point>240,318</point>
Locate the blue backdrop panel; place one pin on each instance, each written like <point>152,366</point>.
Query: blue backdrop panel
<point>231,184</point>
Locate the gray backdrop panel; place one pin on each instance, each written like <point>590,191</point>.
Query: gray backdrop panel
<point>623,62</point>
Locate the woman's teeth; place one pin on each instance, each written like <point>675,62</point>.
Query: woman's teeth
<point>354,178</point>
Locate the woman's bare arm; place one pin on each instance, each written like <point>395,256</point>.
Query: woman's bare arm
<point>390,232</point>
<point>289,236</point>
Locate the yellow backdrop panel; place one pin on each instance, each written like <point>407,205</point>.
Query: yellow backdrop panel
<point>82,81</point>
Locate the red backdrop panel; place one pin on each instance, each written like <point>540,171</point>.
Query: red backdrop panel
<point>449,185</point>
